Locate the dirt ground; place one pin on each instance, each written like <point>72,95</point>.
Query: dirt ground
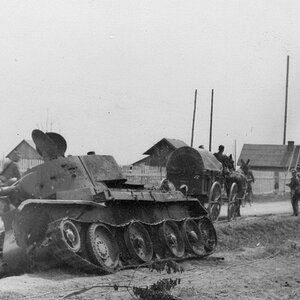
<point>261,261</point>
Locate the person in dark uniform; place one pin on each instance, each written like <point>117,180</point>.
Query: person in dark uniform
<point>295,191</point>
<point>219,155</point>
<point>250,178</point>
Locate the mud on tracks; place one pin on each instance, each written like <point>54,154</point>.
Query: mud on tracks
<point>261,261</point>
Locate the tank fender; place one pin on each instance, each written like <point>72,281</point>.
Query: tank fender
<point>52,201</point>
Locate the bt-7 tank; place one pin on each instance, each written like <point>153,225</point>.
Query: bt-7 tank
<point>80,211</point>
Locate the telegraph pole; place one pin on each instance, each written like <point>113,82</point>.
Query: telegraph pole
<point>286,98</point>
<point>211,118</point>
<point>235,162</point>
<point>193,124</point>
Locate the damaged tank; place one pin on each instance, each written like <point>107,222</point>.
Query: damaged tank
<point>81,211</point>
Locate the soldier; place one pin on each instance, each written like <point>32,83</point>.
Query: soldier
<point>250,178</point>
<point>295,191</point>
<point>219,155</point>
<point>10,170</point>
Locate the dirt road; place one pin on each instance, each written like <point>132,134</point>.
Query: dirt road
<point>262,208</point>
<point>261,261</point>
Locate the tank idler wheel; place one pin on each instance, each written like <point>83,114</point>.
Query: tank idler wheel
<point>70,235</point>
<point>215,201</point>
<point>138,242</point>
<point>102,247</point>
<point>192,237</point>
<point>171,238</point>
<point>208,234</point>
<point>232,202</point>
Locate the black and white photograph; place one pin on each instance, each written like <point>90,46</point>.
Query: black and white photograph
<point>150,150</point>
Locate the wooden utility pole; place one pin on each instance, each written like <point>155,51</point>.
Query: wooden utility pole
<point>211,118</point>
<point>193,124</point>
<point>235,162</point>
<point>286,98</point>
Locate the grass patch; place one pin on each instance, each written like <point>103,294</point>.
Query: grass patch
<point>265,231</point>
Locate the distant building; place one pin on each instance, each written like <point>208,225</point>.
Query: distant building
<point>272,161</point>
<point>158,154</point>
<point>271,157</point>
<point>29,156</point>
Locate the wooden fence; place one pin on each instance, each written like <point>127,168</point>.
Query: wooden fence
<point>149,176</point>
<point>264,181</point>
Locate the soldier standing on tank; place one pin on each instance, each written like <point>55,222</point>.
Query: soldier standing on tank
<point>295,191</point>
<point>10,169</point>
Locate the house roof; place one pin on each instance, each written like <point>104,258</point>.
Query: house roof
<point>142,160</point>
<point>175,144</point>
<point>30,143</point>
<point>270,156</point>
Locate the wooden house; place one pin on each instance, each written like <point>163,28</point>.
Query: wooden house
<point>158,154</point>
<point>29,157</point>
<point>151,170</point>
<point>271,163</point>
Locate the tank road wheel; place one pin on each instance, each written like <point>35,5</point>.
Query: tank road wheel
<point>171,237</point>
<point>215,201</point>
<point>232,202</point>
<point>208,234</point>
<point>192,237</point>
<point>70,235</point>
<point>102,247</point>
<point>138,242</point>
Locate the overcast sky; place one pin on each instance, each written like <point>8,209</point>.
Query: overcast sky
<point>118,76</point>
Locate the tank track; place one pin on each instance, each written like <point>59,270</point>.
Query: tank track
<point>60,250</point>
<point>65,255</point>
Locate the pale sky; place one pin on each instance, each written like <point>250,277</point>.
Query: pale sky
<point>118,76</point>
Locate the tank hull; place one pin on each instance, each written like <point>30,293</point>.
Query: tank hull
<point>79,210</point>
